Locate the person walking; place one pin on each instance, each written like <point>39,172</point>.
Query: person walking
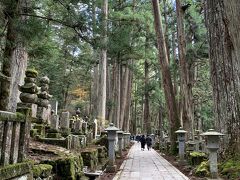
<point>143,142</point>
<point>149,142</point>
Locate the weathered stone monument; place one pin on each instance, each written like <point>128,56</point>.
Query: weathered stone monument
<point>112,133</point>
<point>29,92</point>
<point>181,143</point>
<point>212,146</point>
<point>44,112</point>
<point>120,142</point>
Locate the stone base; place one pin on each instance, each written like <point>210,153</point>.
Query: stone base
<point>53,135</point>
<point>33,108</point>
<point>111,168</point>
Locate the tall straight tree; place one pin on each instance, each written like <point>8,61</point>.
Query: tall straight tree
<point>15,56</point>
<point>166,76</point>
<point>223,25</point>
<point>103,66</point>
<point>186,113</point>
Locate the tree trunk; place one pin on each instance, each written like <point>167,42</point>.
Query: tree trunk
<point>223,26</point>
<point>146,114</point>
<point>186,103</point>
<point>103,68</point>
<point>15,60</point>
<point>166,77</point>
<point>124,90</point>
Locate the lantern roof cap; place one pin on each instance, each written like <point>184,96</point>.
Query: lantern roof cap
<point>181,131</point>
<point>111,127</point>
<point>212,132</point>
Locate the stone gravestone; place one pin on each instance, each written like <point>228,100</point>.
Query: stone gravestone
<point>54,121</point>
<point>78,126</point>
<point>54,106</point>
<point>84,127</point>
<point>64,122</point>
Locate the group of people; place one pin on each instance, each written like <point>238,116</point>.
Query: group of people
<point>145,140</point>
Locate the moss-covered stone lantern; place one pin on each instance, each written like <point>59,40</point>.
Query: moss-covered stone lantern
<point>112,134</point>
<point>120,141</point>
<point>181,142</point>
<point>212,139</point>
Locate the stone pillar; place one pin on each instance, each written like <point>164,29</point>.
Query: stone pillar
<point>124,140</point>
<point>128,139</point>
<point>29,92</point>
<point>54,106</point>
<point>212,146</point>
<point>120,142</point>
<point>64,122</point>
<point>43,101</point>
<point>78,126</point>
<point>181,143</point>
<point>95,128</point>
<point>84,127</point>
<point>54,121</point>
<point>112,133</point>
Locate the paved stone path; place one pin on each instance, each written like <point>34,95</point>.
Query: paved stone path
<point>147,165</point>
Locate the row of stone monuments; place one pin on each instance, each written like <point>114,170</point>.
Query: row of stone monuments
<point>210,146</point>
<point>47,125</point>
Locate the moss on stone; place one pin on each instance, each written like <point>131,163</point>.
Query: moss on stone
<point>14,170</point>
<point>90,158</point>
<point>102,141</point>
<point>67,168</point>
<point>231,168</point>
<point>203,169</point>
<point>33,133</point>
<point>42,170</point>
<point>196,158</point>
<point>31,73</point>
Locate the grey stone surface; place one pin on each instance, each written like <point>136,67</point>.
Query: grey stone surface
<point>147,165</point>
<point>64,122</point>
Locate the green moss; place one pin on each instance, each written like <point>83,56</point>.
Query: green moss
<point>14,170</point>
<point>203,169</point>
<point>231,168</point>
<point>42,170</point>
<point>90,158</point>
<point>197,154</point>
<point>33,133</point>
<point>102,141</point>
<point>67,168</point>
<point>31,73</point>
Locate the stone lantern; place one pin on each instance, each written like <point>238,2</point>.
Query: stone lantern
<point>112,134</point>
<point>212,139</point>
<point>120,141</point>
<point>181,142</point>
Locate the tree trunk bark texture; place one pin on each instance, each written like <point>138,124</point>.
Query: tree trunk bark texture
<point>186,115</point>
<point>103,68</point>
<point>166,76</point>
<point>224,39</point>
<point>15,60</point>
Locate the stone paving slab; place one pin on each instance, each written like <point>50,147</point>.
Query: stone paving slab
<point>147,165</point>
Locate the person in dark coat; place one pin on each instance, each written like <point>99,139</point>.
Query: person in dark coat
<point>143,142</point>
<point>149,142</point>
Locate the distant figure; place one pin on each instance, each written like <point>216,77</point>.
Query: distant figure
<point>149,142</point>
<point>137,138</point>
<point>143,142</point>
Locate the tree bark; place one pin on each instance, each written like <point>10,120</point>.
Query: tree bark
<point>186,101</point>
<point>14,59</point>
<point>223,27</point>
<point>103,68</point>
<point>166,77</point>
